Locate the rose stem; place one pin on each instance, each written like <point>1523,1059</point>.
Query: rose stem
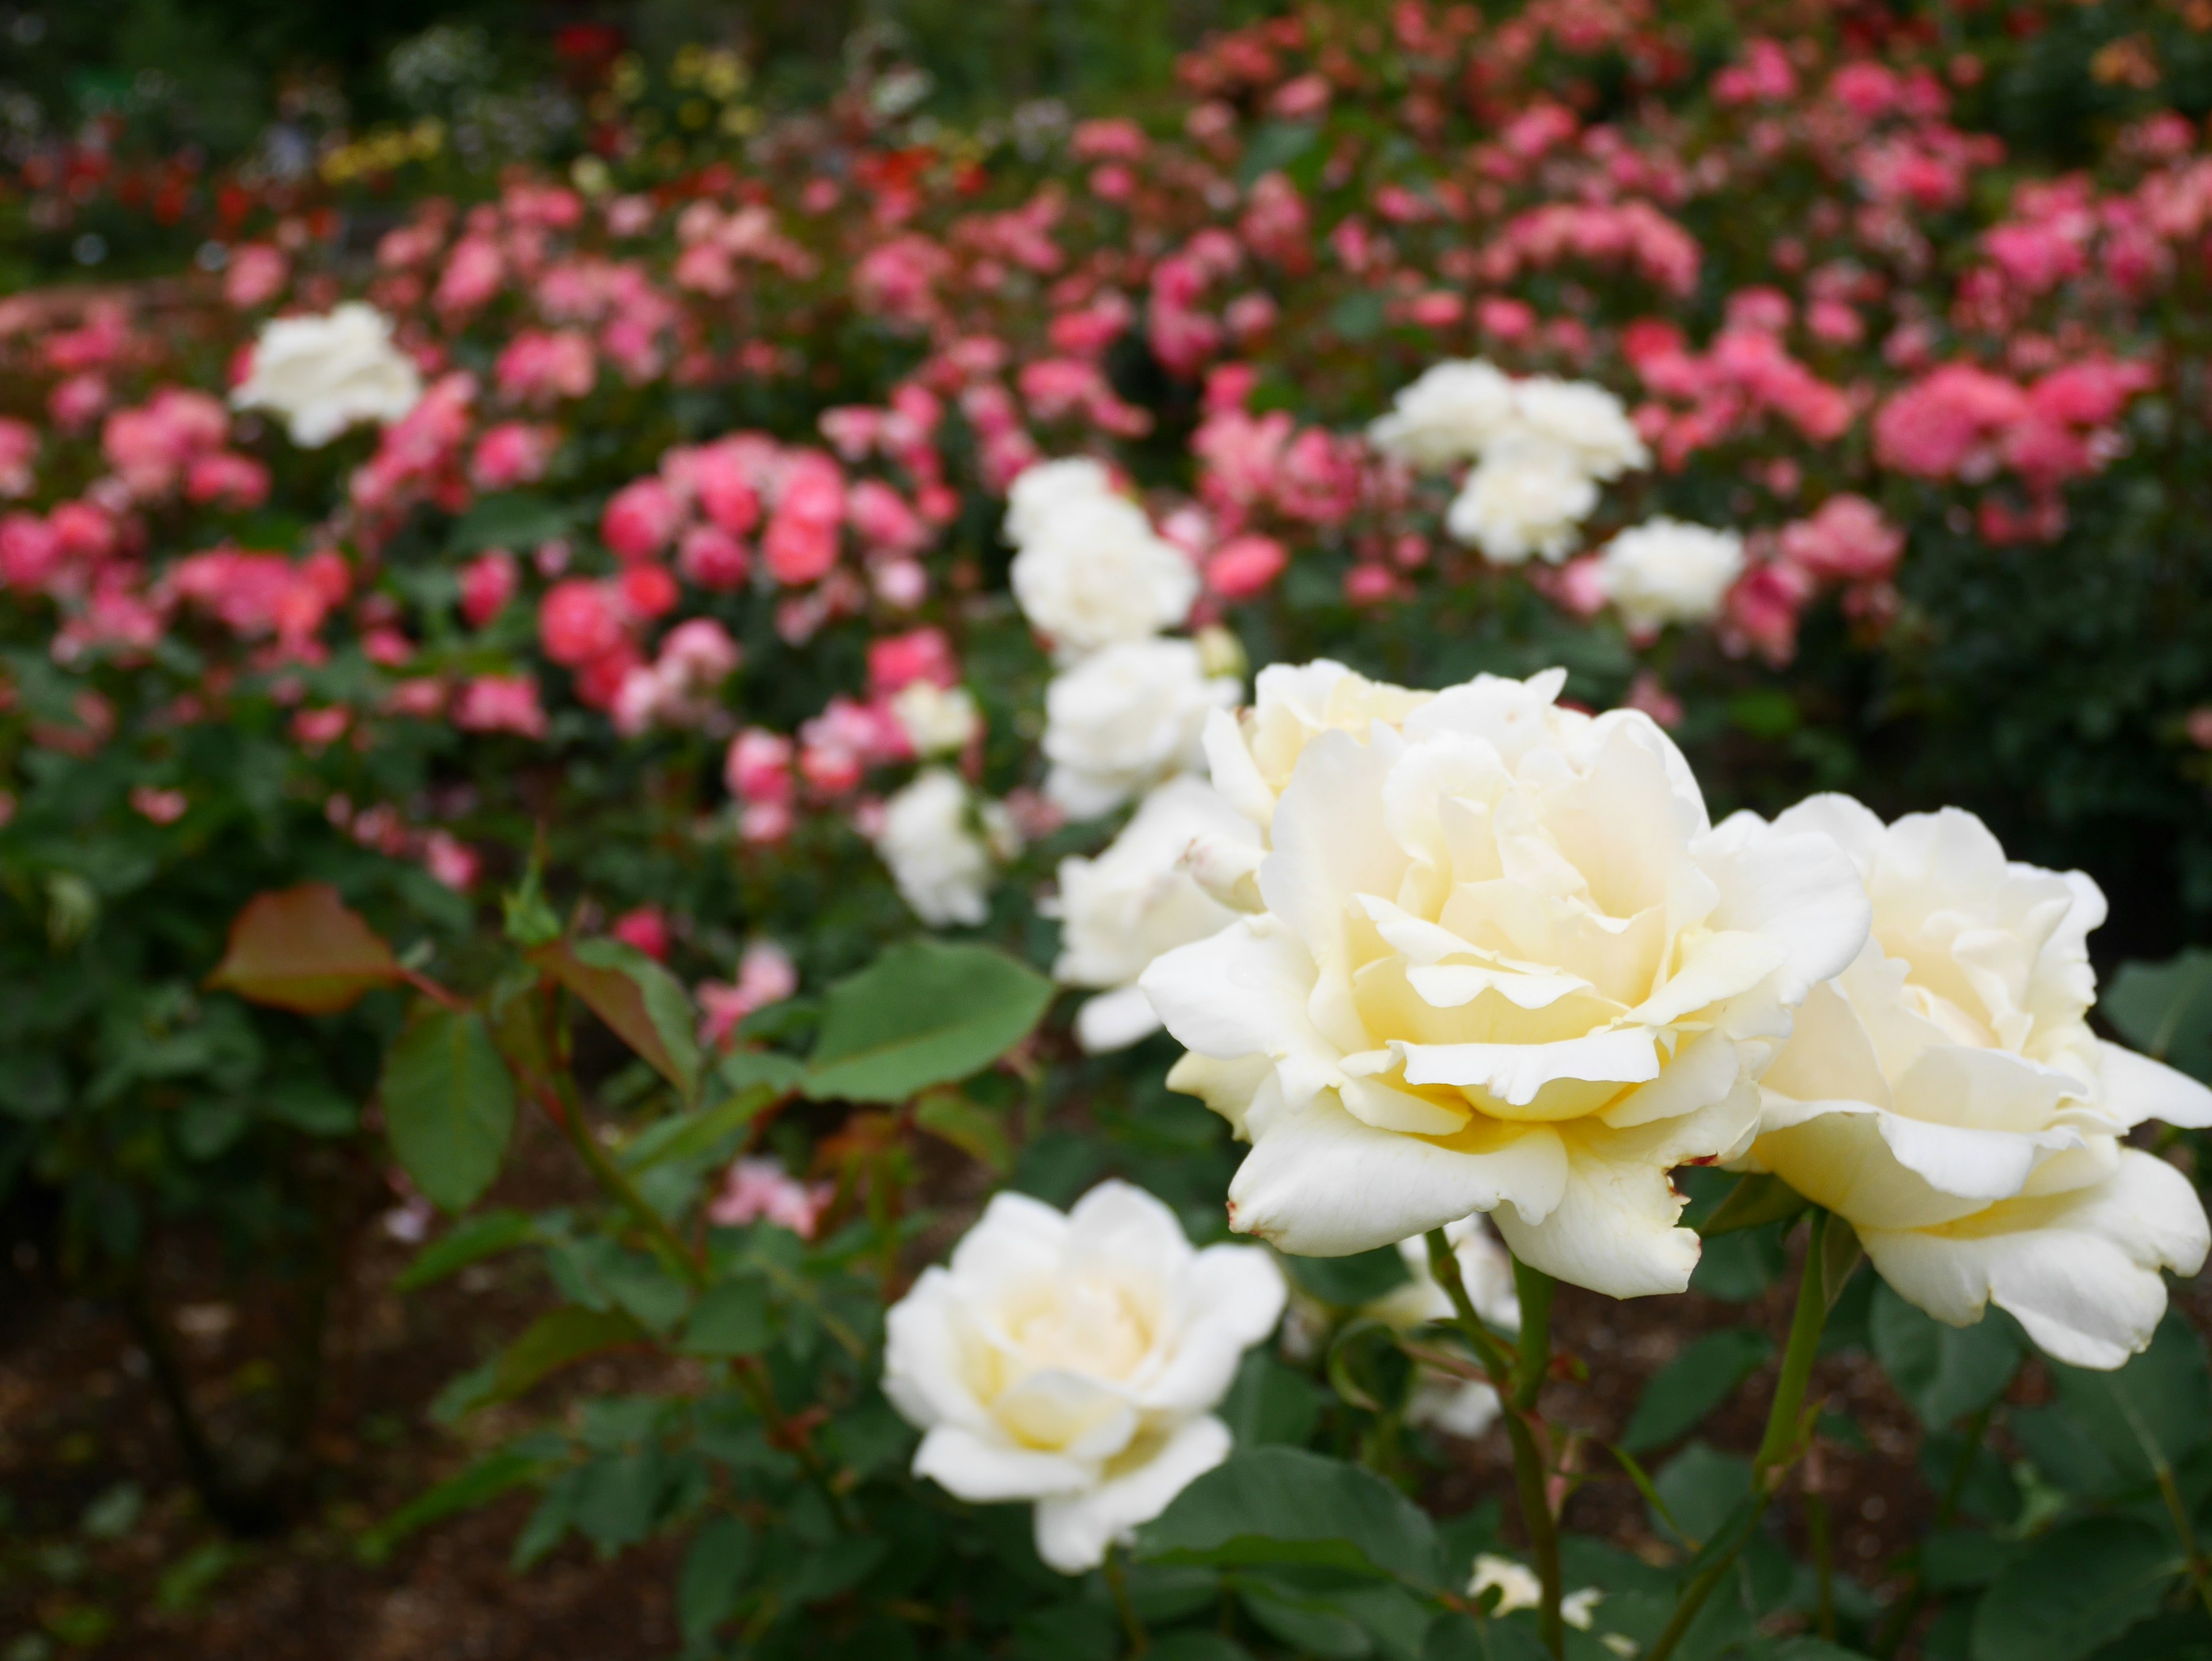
<point>1517,1377</point>
<point>1777,1448</point>
<point>1118,1584</point>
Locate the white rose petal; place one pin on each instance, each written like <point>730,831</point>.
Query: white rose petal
<point>1525,499</point>
<point>1075,1360</point>
<point>936,720</point>
<point>1665,571</point>
<point>1507,965</point>
<point>1043,489</point>
<point>1136,900</point>
<point>324,374</point>
<point>941,865</point>
<point>1451,414</point>
<point>1091,572</point>
<point>1946,1095</point>
<point>1583,420</point>
<point>1125,718</point>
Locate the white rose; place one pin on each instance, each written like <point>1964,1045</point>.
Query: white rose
<point>936,720</point>
<point>1251,751</point>
<point>324,374</point>
<point>1582,419</point>
<point>1523,499</point>
<point>1075,1360</point>
<point>1095,574</point>
<point>1125,718</point>
<point>941,865</point>
<point>1665,571</point>
<point>1136,900</point>
<point>1043,489</point>
<point>1506,965</point>
<point>1449,415</point>
<point>1945,1094</point>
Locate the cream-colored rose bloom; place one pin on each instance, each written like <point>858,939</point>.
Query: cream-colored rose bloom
<point>1252,752</point>
<point>324,374</point>
<point>1449,415</point>
<point>1505,964</point>
<point>1044,488</point>
<point>1666,571</point>
<point>929,840</point>
<point>1075,1360</point>
<point>1091,573</point>
<point>937,720</point>
<point>1945,1094</point>
<point>1582,420</point>
<point>1524,501</point>
<point>1136,900</point>
<point>1125,718</point>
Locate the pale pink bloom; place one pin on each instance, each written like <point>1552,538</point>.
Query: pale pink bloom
<point>472,274</point>
<point>757,1189</point>
<point>1847,540</point>
<point>1646,693</point>
<point>757,769</point>
<point>161,806</point>
<point>501,703</point>
<point>451,860</point>
<point>19,449</point>
<point>884,522</point>
<point>511,453</point>
<point>227,479</point>
<point>897,661</point>
<point>540,368</point>
<point>1245,566</point>
<point>256,274</point>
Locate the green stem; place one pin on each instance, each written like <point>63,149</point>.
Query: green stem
<point>667,1244</point>
<point>1118,1584</point>
<point>1517,1376</point>
<point>1777,1449</point>
<point>1899,1620</point>
<point>1824,1563</point>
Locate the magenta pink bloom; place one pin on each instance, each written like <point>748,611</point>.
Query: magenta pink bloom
<point>501,703</point>
<point>640,519</point>
<point>511,453</point>
<point>579,620</point>
<point>645,928</point>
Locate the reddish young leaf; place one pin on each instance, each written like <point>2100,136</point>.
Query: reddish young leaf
<point>302,949</point>
<point>646,1006</point>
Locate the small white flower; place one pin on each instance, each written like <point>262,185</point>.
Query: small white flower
<point>1524,499</point>
<point>1451,414</point>
<point>1666,571</point>
<point>1075,1359</point>
<point>941,865</point>
<point>1518,1588</point>
<point>1093,573</point>
<point>1043,490</point>
<point>1125,718</point>
<point>1582,419</point>
<point>936,720</point>
<point>324,374</point>
<point>1136,900</point>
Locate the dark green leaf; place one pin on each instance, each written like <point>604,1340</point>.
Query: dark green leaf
<point>1349,1282</point>
<point>731,1319</point>
<point>693,1135</point>
<point>1757,1199</point>
<point>511,518</point>
<point>1198,1646</point>
<point>553,1342</point>
<point>2158,1406</point>
<point>1269,1403</point>
<point>744,1069</point>
<point>448,1105</point>
<point>482,1483</point>
<point>465,1243</point>
<point>925,1013</point>
<point>976,1131</point>
<point>1692,1384</point>
<point>2165,1009</point>
<point>1945,1373</point>
<point>1283,1506</point>
<point>714,1570</point>
<point>1702,1487</point>
<point>2077,1587</point>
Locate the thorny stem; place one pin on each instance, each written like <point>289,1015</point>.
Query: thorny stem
<point>1777,1449</point>
<point>1117,1583</point>
<point>1517,1376</point>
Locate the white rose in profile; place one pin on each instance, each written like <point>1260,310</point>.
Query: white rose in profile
<point>1075,1360</point>
<point>1524,500</point>
<point>1666,571</point>
<point>1449,415</point>
<point>324,374</point>
<point>1095,574</point>
<point>1506,964</point>
<point>1120,910</point>
<point>1945,1094</point>
<point>941,865</point>
<point>1125,718</point>
<point>1582,421</point>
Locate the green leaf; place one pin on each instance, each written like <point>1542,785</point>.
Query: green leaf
<point>1755,1200</point>
<point>731,1319</point>
<point>1270,1402</point>
<point>554,1340</point>
<point>645,1004</point>
<point>925,1013</point>
<point>301,949</point>
<point>743,1069</point>
<point>1283,1506</point>
<point>466,1243</point>
<point>1692,1384</point>
<point>691,1136</point>
<point>482,1483</point>
<point>2158,1406</point>
<point>976,1131</point>
<point>1702,1488</point>
<point>448,1105</point>
<point>2165,1009</point>
<point>512,519</point>
<point>1351,1283</point>
<point>1944,1372</point>
<point>1198,1646</point>
<point>2077,1587</point>
<point>715,1570</point>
